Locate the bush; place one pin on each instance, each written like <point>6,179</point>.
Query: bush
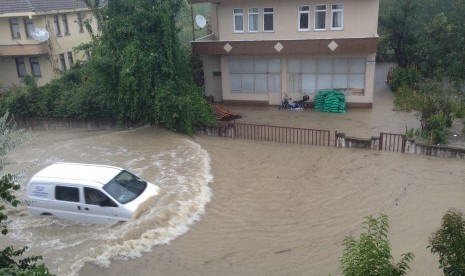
<point>407,76</point>
<point>371,254</point>
<point>449,243</point>
<point>436,126</point>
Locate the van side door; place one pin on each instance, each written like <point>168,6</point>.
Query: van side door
<point>100,205</point>
<point>67,202</point>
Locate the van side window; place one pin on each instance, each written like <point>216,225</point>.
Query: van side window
<point>96,197</point>
<point>67,193</point>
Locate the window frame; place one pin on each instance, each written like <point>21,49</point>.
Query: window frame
<point>70,59</point>
<point>80,22</point>
<point>28,22</point>
<point>241,15</point>
<point>334,11</point>
<point>265,13</point>
<point>300,13</point>
<point>20,63</point>
<point>56,25</point>
<point>61,58</point>
<point>18,33</point>
<point>317,11</point>
<point>35,61</point>
<point>249,14</point>
<point>64,20</point>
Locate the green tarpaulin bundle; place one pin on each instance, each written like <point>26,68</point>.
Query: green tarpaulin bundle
<point>330,101</point>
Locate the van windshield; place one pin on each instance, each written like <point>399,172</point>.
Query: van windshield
<point>125,187</point>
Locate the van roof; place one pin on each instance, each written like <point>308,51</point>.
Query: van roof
<point>75,171</point>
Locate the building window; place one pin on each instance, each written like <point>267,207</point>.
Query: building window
<point>307,76</point>
<point>337,16</point>
<point>238,20</point>
<point>80,22</point>
<point>320,17</point>
<point>70,59</point>
<point>35,66</point>
<point>29,26</point>
<point>20,67</point>
<point>259,76</point>
<point>56,25</point>
<point>253,20</point>
<point>62,62</point>
<point>304,18</point>
<point>64,19</point>
<point>14,27</point>
<point>268,19</point>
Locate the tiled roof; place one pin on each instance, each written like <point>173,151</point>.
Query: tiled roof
<point>14,6</point>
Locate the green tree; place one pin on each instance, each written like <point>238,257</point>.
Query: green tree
<point>149,77</point>
<point>371,254</point>
<point>10,263</point>
<point>399,28</point>
<point>449,243</point>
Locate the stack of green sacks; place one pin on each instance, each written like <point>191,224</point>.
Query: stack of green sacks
<point>330,101</point>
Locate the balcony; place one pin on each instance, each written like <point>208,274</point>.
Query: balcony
<point>23,49</point>
<point>209,46</point>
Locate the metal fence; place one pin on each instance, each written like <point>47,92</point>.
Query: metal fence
<point>279,134</point>
<point>392,142</point>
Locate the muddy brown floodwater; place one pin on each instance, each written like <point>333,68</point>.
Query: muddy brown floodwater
<point>232,207</point>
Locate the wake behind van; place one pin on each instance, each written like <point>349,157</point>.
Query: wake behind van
<point>88,193</point>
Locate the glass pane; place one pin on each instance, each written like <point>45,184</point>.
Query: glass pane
<point>238,23</point>
<point>324,81</point>
<point>268,22</point>
<point>293,83</point>
<point>320,20</point>
<point>261,81</point>
<point>357,81</point>
<point>234,65</point>
<point>303,22</point>
<point>309,66</point>
<point>247,66</point>
<point>308,83</point>
<point>294,66</point>
<point>340,81</point>
<point>248,84</point>
<point>236,82</point>
<point>324,66</point>
<point>341,66</point>
<point>274,66</point>
<point>304,8</point>
<point>274,83</point>
<point>337,20</point>
<point>357,66</point>
<point>261,66</point>
<point>268,10</point>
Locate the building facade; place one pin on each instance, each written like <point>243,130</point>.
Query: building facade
<point>21,54</point>
<point>259,51</point>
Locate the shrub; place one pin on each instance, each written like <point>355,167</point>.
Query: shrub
<point>371,254</point>
<point>449,243</point>
<point>407,76</point>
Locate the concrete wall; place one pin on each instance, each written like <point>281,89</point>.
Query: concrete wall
<point>360,19</point>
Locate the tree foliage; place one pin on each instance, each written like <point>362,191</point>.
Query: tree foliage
<point>10,259</point>
<point>449,243</point>
<point>371,254</point>
<point>137,72</point>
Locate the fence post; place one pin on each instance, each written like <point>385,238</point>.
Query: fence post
<point>380,141</point>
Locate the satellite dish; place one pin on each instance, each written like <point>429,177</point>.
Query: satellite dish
<point>40,34</point>
<point>201,21</point>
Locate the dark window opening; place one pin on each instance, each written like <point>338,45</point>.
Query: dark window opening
<point>67,193</point>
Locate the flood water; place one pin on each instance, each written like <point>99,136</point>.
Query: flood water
<point>232,207</point>
<point>178,166</point>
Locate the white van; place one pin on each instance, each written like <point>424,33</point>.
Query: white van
<point>88,193</point>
